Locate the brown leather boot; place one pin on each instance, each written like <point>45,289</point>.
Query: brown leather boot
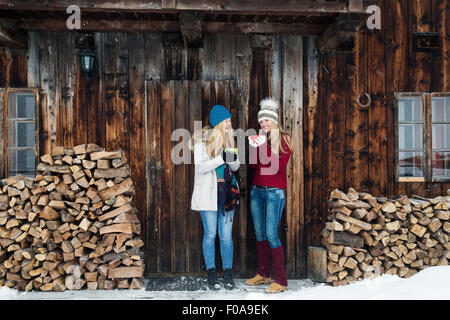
<point>257,280</point>
<point>275,288</point>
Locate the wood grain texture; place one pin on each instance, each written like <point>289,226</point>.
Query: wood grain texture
<point>293,111</point>
<point>344,145</point>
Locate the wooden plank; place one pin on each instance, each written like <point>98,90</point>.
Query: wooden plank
<point>173,49</point>
<point>154,194</point>
<point>68,69</point>
<point>322,123</point>
<point>232,6</point>
<point>377,113</point>
<point>312,144</point>
<point>166,219</point>
<point>277,67</point>
<point>335,122</point>
<point>33,60</point>
<point>94,102</point>
<point>81,111</point>
<point>180,191</point>
<point>255,6</point>
<point>246,245</point>
<point>137,125</point>
<point>356,131</point>
<point>420,67</point>
<point>293,108</point>
<point>445,46</point>
<point>208,100</point>
<point>48,54</point>
<point>238,240</point>
<point>441,67</point>
<point>116,93</point>
<point>193,64</point>
<point>154,55</point>
<point>258,85</point>
<point>6,60</point>
<point>221,61</point>
<point>397,50</point>
<point>19,68</point>
<point>194,258</point>
<point>346,93</point>
<point>299,29</point>
<point>207,57</point>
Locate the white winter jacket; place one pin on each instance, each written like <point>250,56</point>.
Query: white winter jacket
<point>204,196</point>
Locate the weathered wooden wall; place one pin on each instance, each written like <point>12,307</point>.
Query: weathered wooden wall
<point>112,113</point>
<point>346,146</point>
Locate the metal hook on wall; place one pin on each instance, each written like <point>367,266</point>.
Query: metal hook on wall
<point>364,106</point>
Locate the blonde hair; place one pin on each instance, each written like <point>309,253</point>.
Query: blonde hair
<point>276,134</point>
<point>216,139</point>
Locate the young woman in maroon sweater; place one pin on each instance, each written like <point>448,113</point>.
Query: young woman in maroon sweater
<point>269,155</point>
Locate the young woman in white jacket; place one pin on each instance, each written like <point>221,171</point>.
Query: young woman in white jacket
<point>209,159</point>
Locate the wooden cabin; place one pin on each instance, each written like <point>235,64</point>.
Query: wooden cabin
<point>368,108</point>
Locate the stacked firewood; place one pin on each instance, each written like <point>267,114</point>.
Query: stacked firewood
<point>73,226</point>
<point>367,236</point>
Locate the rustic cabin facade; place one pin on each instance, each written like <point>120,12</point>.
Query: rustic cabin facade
<point>160,66</point>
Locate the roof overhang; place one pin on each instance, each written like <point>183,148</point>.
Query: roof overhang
<point>190,17</point>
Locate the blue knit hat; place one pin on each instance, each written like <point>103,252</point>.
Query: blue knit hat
<point>217,114</point>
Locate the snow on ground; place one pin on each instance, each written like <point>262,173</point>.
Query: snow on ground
<point>430,284</point>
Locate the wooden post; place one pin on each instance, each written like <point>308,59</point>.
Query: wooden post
<point>317,264</point>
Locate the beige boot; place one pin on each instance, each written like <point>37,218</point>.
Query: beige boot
<point>257,280</point>
<point>275,288</point>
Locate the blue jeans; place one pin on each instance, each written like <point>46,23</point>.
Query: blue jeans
<point>213,220</point>
<point>267,205</point>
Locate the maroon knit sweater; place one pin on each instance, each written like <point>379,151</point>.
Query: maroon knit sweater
<point>268,172</point>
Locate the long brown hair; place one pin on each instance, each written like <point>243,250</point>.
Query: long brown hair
<point>275,142</point>
<point>216,139</point>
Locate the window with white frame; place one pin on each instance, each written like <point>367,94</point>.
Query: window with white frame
<point>440,136</point>
<point>423,137</point>
<point>21,132</point>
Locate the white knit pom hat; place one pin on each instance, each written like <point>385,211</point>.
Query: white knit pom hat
<point>269,110</point>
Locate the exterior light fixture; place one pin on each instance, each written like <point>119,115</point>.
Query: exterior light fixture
<point>87,62</point>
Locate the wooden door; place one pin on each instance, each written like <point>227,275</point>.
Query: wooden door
<point>174,232</point>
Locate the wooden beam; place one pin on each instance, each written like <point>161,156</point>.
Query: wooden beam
<point>290,7</point>
<point>174,26</point>
<point>12,37</point>
<point>102,25</point>
<point>342,29</point>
